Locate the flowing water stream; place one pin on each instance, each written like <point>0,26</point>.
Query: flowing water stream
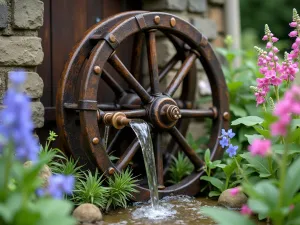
<point>106,133</point>
<point>142,131</point>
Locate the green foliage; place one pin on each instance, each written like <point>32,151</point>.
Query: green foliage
<point>238,80</point>
<point>18,201</point>
<point>67,167</point>
<point>121,186</point>
<point>180,167</point>
<point>218,214</point>
<point>90,189</point>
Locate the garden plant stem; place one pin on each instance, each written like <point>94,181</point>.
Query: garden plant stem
<point>283,165</point>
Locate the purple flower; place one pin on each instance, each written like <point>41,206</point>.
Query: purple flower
<point>15,121</point>
<point>224,142</point>
<point>224,133</point>
<point>230,133</point>
<point>58,186</point>
<point>231,150</point>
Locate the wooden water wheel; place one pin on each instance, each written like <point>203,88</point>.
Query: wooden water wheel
<point>97,88</point>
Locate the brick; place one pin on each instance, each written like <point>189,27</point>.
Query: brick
<point>217,14</point>
<point>198,6</point>
<point>38,112</point>
<point>166,51</point>
<point>176,5</point>
<point>3,14</point>
<point>207,27</point>
<point>28,14</point>
<point>21,51</point>
<point>33,86</point>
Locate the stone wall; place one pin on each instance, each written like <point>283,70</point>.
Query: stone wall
<point>21,49</point>
<point>208,17</point>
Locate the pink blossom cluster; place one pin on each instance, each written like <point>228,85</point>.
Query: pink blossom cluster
<point>274,72</point>
<point>284,109</point>
<point>269,66</point>
<point>260,147</point>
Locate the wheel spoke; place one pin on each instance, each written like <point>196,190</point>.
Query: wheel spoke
<point>159,159</point>
<point>136,56</point>
<point>198,113</point>
<point>135,113</point>
<point>166,69</point>
<point>114,142</point>
<point>128,154</point>
<point>182,72</point>
<point>152,61</point>
<point>113,84</point>
<point>127,76</point>
<point>190,153</point>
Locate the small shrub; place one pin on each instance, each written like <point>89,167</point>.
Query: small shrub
<point>90,189</point>
<point>180,167</point>
<point>121,186</point>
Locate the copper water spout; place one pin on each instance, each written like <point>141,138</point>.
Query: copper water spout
<point>118,120</point>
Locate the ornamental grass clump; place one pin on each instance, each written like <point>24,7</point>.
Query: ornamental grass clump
<point>271,167</point>
<point>24,199</point>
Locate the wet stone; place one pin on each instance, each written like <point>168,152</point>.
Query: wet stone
<point>87,213</point>
<point>233,202</point>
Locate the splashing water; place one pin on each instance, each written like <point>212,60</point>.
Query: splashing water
<point>142,132</point>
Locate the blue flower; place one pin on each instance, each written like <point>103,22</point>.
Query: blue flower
<point>224,142</point>
<point>230,134</point>
<point>59,185</point>
<point>231,150</point>
<point>224,133</point>
<point>15,121</point>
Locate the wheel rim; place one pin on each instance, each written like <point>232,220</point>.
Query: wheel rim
<point>104,51</point>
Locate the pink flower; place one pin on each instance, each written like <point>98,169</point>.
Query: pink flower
<point>235,191</point>
<point>294,45</point>
<point>292,207</point>
<point>245,210</point>
<point>269,45</point>
<point>275,39</point>
<point>275,50</point>
<point>297,40</point>
<point>278,129</point>
<point>265,38</point>
<point>260,147</point>
<point>293,33</point>
<point>293,24</point>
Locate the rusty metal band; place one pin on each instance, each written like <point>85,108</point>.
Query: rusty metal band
<point>141,21</point>
<point>87,105</point>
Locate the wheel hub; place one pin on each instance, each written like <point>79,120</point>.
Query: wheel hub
<point>164,112</point>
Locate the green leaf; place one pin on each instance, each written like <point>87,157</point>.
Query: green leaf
<point>258,206</point>
<point>214,181</point>
<point>295,124</point>
<point>248,121</point>
<point>226,217</point>
<point>233,86</point>
<point>264,132</point>
<point>214,194</point>
<point>259,163</point>
<point>279,149</point>
<point>293,135</point>
<point>229,168</point>
<point>207,156</point>
<point>292,181</point>
<point>252,137</point>
<point>237,110</point>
